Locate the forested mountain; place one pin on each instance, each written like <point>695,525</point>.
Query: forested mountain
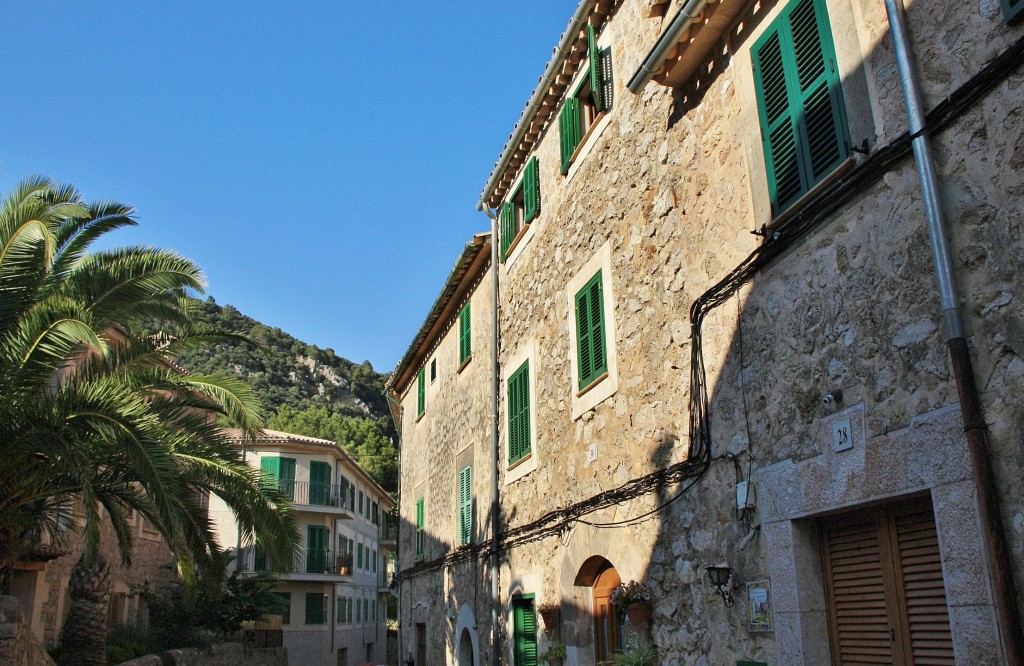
<point>304,389</point>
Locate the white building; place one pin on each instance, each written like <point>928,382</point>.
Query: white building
<point>334,598</point>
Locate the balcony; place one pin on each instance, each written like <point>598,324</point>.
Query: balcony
<point>306,564</point>
<point>388,536</point>
<point>319,497</point>
<point>385,581</point>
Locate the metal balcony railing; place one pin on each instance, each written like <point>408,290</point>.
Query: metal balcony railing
<point>315,493</point>
<point>311,561</point>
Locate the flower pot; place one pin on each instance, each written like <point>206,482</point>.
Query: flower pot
<point>639,613</point>
<point>551,617</point>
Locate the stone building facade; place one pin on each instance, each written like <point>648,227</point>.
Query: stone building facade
<point>693,301</point>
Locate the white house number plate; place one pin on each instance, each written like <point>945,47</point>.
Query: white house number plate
<point>842,437</point>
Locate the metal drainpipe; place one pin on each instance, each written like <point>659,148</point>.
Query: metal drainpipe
<point>398,522</point>
<point>686,16</point>
<point>976,433</point>
<point>495,634</point>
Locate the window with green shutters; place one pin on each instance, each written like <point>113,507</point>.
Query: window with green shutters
<point>419,530</point>
<point>524,631</point>
<point>519,414</point>
<point>279,472</point>
<point>316,608</point>
<point>421,392</point>
<point>1013,9</point>
<point>317,538</point>
<point>319,483</point>
<point>465,334</point>
<point>359,556</point>
<point>465,505</point>
<point>799,101</point>
<point>283,606</point>
<point>591,345</point>
<point>521,208</point>
<point>373,560</point>
<point>581,109</point>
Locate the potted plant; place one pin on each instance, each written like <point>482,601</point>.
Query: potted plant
<point>638,656</point>
<point>551,613</point>
<point>635,599</point>
<point>554,655</point>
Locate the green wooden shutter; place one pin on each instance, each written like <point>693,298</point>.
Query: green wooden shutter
<point>288,477</point>
<point>465,505</point>
<point>343,487</point>
<point>316,549</point>
<point>421,392</point>
<point>596,70</point>
<point>799,101</point>
<point>590,334</point>
<point>507,221</point>
<point>531,191</point>
<point>315,607</point>
<point>519,414</point>
<point>359,555</point>
<point>270,471</point>
<point>465,337</point>
<point>419,529</point>
<point>319,483</point>
<point>1013,9</point>
<point>525,630</point>
<point>569,130</point>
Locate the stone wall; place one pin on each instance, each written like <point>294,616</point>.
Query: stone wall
<point>454,431</point>
<point>673,182</point>
<point>227,654</point>
<point>18,647</point>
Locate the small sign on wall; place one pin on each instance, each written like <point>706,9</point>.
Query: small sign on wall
<point>842,435</point>
<point>759,603</point>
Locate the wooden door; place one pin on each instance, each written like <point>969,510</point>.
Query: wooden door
<point>316,549</point>
<point>319,483</point>
<point>886,595</point>
<point>606,620</point>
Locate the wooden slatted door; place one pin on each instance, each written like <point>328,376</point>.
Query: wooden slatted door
<point>886,596</point>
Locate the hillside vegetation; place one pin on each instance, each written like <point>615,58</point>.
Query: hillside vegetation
<point>304,389</point>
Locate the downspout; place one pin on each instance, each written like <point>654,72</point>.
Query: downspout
<point>975,430</point>
<point>397,420</point>
<point>495,513</point>
<point>683,19</point>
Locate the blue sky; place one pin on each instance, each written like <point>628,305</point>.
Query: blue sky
<point>320,160</point>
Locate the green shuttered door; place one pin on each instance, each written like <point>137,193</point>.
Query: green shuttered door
<point>803,123</point>
<point>525,632</point>
<point>319,483</point>
<point>316,549</point>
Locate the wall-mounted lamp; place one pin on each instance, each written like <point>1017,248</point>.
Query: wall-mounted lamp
<point>832,398</point>
<point>721,580</point>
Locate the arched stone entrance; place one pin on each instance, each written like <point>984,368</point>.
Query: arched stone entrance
<point>600,576</point>
<point>467,645</point>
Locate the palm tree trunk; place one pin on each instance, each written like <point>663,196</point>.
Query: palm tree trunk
<point>84,638</point>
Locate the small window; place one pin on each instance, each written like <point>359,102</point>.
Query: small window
<point>465,505</point>
<point>316,608</point>
<point>521,208</point>
<point>590,333</point>
<point>359,556</point>
<point>283,606</point>
<point>373,560</point>
<point>433,370</point>
<point>419,530</point>
<point>465,334</point>
<point>1013,9</point>
<point>582,108</point>
<point>421,392</point>
<point>519,414</point>
<point>799,102</point>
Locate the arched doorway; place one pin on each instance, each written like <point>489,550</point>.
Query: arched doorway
<point>466,649</point>
<point>600,576</point>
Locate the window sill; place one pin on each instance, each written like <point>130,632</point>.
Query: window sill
<point>515,241</point>
<point>800,204</point>
<point>597,380</point>
<point>464,364</point>
<point>519,462</point>
<point>421,415</point>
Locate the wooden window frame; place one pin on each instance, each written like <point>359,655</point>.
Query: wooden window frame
<point>585,107</point>
<point>520,209</point>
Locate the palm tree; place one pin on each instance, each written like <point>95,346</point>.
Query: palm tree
<point>91,411</point>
